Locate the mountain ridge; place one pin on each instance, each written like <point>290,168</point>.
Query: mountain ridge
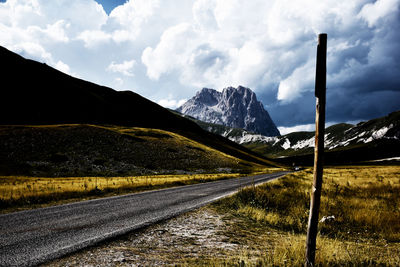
<point>376,139</point>
<point>233,107</point>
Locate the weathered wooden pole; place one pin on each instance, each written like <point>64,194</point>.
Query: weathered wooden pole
<point>320,94</point>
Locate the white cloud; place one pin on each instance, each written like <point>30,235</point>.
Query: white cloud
<point>204,14</point>
<point>171,103</point>
<point>53,32</point>
<point>125,68</point>
<point>94,38</point>
<point>134,12</point>
<point>302,79</point>
<point>172,52</point>
<point>33,50</point>
<point>185,45</point>
<point>34,28</point>
<point>308,127</point>
<point>297,128</point>
<point>61,66</point>
<point>126,21</point>
<point>372,12</point>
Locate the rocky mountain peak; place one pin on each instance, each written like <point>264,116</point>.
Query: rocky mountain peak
<point>208,96</point>
<point>233,107</point>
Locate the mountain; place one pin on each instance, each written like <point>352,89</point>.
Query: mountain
<point>237,135</point>
<point>344,143</point>
<point>33,93</point>
<point>233,107</point>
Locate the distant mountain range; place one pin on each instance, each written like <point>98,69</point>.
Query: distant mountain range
<point>233,107</point>
<point>33,93</point>
<point>344,143</point>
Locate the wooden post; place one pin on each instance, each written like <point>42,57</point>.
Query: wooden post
<point>320,94</point>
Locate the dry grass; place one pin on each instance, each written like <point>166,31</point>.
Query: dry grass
<point>366,230</point>
<point>331,252</point>
<point>27,192</point>
<point>266,226</point>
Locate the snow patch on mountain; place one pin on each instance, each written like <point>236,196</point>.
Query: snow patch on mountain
<point>247,137</point>
<point>304,143</point>
<point>286,145</point>
<point>353,135</point>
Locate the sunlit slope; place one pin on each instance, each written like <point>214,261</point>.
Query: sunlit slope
<point>90,150</point>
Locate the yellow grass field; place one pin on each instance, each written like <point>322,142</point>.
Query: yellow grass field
<point>23,191</point>
<point>365,231</point>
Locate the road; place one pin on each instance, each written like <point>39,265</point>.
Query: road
<point>35,236</point>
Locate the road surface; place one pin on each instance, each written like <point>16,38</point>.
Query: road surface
<point>35,236</point>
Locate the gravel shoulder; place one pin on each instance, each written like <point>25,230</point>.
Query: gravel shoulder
<point>197,234</point>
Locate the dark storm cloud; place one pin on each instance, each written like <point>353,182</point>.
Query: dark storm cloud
<point>298,112</point>
<point>363,77</point>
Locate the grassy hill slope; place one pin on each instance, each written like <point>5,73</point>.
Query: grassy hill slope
<point>36,94</point>
<point>90,150</point>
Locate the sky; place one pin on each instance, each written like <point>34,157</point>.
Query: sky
<point>166,51</point>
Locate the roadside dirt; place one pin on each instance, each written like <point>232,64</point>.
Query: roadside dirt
<point>189,239</point>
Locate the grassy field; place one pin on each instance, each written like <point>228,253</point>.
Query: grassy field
<point>21,192</point>
<point>272,219</point>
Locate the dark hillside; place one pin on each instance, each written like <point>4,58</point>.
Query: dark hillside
<point>33,93</point>
<point>90,150</point>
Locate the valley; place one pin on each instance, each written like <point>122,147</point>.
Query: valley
<point>86,148</point>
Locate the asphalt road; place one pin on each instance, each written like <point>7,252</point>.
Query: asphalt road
<point>35,236</point>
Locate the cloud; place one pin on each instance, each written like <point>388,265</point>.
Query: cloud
<point>275,44</point>
<point>93,38</point>
<point>126,21</point>
<point>52,33</point>
<point>372,12</point>
<point>302,79</point>
<point>307,127</point>
<point>124,68</point>
<point>171,103</point>
<point>184,45</point>
<point>297,128</point>
<point>170,53</point>
<point>61,66</point>
<point>33,27</point>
